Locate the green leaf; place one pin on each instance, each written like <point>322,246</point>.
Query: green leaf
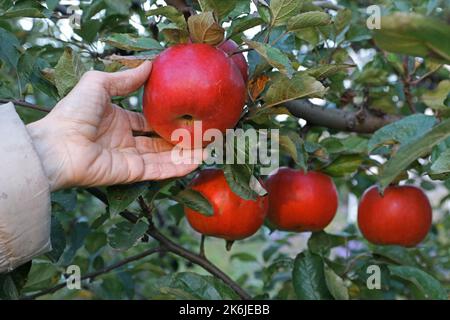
<point>58,240</point>
<point>354,144</point>
<point>125,234</point>
<point>31,71</point>
<point>92,9</point>
<point>128,41</point>
<point>414,35</point>
<point>273,56</point>
<point>170,13</point>
<point>404,131</point>
<point>344,165</point>
<point>172,34</point>
<point>442,164</point>
<point>68,71</point>
<point>26,8</point>
<point>263,10</point>
<point>300,86</point>
<point>407,154</point>
<point>429,286</point>
<point>342,20</point>
<point>220,8</point>
<point>325,71</point>
<point>310,35</point>
<point>95,241</point>
<point>121,196</point>
<point>66,199</point>
<point>51,4</point>
<point>100,220</point>
<point>291,143</point>
<point>307,20</point>
<point>332,145</point>
<point>42,275</point>
<point>78,234</point>
<point>238,178</point>
<point>279,264</point>
<point>243,256</point>
<point>89,30</point>
<point>120,7</point>
<point>283,10</point>
<point>194,286</point>
<point>177,211</point>
<point>203,28</point>
<point>10,48</point>
<point>195,201</point>
<point>11,283</point>
<point>396,254</point>
<point>308,277</point>
<point>435,98</point>
<point>242,24</point>
<point>321,242</point>
<point>336,285</point>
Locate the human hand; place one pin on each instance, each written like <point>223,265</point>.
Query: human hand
<point>87,141</point>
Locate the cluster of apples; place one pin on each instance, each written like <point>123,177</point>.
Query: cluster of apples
<point>299,201</point>
<point>195,81</point>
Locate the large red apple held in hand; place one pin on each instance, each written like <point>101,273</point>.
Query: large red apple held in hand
<point>402,216</point>
<point>192,82</point>
<point>231,47</point>
<point>234,218</point>
<point>300,201</point>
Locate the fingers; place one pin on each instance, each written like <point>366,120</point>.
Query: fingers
<point>124,82</point>
<point>138,121</point>
<point>152,145</point>
<point>167,170</point>
<point>167,164</point>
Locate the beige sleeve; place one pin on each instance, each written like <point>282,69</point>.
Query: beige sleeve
<point>24,195</point>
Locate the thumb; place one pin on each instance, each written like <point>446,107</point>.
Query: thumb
<point>124,82</point>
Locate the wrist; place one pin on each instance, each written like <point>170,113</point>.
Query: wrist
<point>45,145</point>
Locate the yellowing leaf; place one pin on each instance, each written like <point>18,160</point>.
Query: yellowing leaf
<point>129,61</point>
<point>204,28</point>
<point>68,71</point>
<point>300,86</point>
<point>257,85</point>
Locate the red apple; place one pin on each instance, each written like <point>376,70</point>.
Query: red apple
<point>230,47</point>
<point>234,218</point>
<point>401,216</point>
<point>191,82</point>
<point>300,201</point>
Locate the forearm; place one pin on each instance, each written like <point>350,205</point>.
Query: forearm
<point>24,195</point>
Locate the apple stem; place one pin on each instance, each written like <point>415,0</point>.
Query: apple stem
<point>229,244</point>
<point>202,246</point>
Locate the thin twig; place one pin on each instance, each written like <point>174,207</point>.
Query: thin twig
<point>407,86</point>
<point>426,75</point>
<point>95,274</point>
<point>240,51</point>
<point>25,104</point>
<point>176,249</point>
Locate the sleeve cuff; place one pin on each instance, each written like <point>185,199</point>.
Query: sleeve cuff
<point>24,195</point>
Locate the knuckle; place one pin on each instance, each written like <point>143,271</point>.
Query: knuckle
<point>93,75</point>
